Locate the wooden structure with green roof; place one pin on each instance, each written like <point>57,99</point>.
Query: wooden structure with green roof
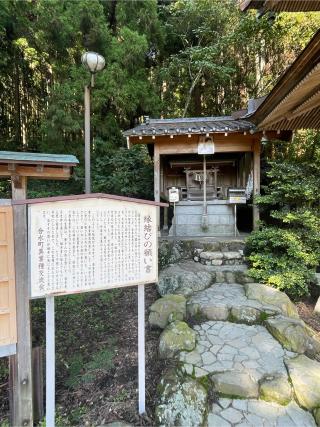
<point>19,166</point>
<point>36,165</point>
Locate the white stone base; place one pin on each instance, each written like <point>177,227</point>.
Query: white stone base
<point>189,214</point>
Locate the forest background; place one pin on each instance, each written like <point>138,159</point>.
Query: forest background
<point>163,58</point>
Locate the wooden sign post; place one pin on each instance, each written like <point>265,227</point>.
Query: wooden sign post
<point>236,196</point>
<point>21,365</point>
<point>86,243</point>
<point>141,351</point>
<point>50,362</point>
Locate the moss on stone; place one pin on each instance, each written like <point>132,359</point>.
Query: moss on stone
<point>176,337</point>
<point>167,309</point>
<point>275,389</point>
<point>182,401</point>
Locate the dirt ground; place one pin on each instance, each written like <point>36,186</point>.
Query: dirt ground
<point>305,310</point>
<point>114,395</point>
<point>111,394</point>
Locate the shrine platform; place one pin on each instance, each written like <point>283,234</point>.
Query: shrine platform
<point>189,218</point>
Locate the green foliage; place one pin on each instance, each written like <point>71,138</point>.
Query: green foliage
<point>279,258</point>
<point>81,372</point>
<point>42,81</point>
<point>218,56</point>
<point>123,172</point>
<point>165,58</point>
<point>286,250</point>
<point>63,420</point>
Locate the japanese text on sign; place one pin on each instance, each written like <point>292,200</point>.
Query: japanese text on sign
<point>90,244</point>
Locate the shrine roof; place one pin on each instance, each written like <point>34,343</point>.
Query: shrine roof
<point>193,125</point>
<point>38,158</point>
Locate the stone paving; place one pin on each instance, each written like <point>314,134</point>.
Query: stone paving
<point>225,346</point>
<point>223,300</point>
<point>252,355</point>
<point>256,413</point>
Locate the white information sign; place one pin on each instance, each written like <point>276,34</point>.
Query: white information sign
<point>205,145</point>
<point>237,199</point>
<point>90,244</point>
<point>173,195</point>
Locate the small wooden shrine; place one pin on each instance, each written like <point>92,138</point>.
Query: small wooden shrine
<point>203,180</point>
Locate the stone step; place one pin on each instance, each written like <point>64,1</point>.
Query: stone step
<point>188,277</point>
<point>237,358</point>
<point>217,258</point>
<point>225,301</point>
<point>171,251</point>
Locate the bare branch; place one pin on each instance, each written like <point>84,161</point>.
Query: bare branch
<point>193,85</point>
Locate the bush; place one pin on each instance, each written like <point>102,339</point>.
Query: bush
<point>285,252</point>
<point>279,258</point>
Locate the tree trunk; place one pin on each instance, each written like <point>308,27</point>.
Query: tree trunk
<point>192,87</point>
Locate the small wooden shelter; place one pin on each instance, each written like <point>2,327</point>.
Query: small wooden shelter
<point>15,325</point>
<point>175,145</point>
<point>36,165</point>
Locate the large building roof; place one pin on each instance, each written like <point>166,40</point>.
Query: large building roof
<point>281,5</point>
<point>185,126</point>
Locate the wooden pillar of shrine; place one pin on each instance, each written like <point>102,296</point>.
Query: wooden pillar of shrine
<point>156,169</point>
<point>256,181</point>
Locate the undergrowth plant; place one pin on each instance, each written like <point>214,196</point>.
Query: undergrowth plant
<point>285,251</point>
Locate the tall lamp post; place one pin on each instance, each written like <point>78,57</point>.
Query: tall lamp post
<point>93,62</point>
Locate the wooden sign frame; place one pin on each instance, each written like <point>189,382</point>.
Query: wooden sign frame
<point>90,222</point>
<point>8,313</point>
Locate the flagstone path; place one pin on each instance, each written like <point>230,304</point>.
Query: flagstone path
<point>224,346</point>
<point>234,367</point>
<point>246,413</point>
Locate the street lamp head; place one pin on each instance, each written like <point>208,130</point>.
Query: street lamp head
<point>93,62</point>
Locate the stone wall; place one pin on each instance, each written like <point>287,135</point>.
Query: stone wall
<point>171,252</point>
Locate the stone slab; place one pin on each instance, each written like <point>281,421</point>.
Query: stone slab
<point>222,301</point>
<point>305,377</point>
<point>248,349</point>
<point>257,413</point>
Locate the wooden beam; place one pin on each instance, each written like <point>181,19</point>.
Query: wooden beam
<point>311,103</point>
<point>21,365</point>
<point>223,144</point>
<point>233,138</point>
<point>156,166</point>
<point>37,376</point>
<point>256,182</point>
<point>45,172</point>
